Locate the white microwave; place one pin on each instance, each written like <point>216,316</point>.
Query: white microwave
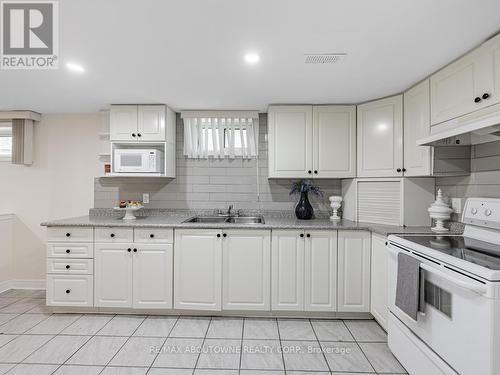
<point>138,160</point>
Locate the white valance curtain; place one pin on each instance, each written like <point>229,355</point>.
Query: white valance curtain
<point>221,134</point>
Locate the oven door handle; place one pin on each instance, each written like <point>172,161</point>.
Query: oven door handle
<point>477,288</point>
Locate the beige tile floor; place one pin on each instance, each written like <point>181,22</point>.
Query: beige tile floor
<point>35,341</point>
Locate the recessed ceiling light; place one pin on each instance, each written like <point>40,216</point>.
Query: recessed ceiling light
<point>252,58</point>
<point>77,68</point>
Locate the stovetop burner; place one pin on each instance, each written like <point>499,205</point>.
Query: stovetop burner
<point>482,253</point>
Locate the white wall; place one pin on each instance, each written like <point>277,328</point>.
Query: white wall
<point>59,184</point>
<point>6,248</point>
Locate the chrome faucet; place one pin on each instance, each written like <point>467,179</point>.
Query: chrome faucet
<point>229,212</point>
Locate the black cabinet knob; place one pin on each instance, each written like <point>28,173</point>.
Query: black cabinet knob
<point>308,235</point>
<point>68,234</point>
<point>218,234</point>
<point>133,135</point>
<point>477,99</point>
<point>310,172</point>
<point>302,235</point>
<point>386,243</point>
<point>151,235</point>
<point>404,169</point>
<point>68,291</point>
<point>224,235</point>
<point>67,267</point>
<point>129,250</point>
<point>112,235</point>
<point>135,250</point>
<point>139,134</point>
<point>315,172</point>
<point>457,141</point>
<point>398,170</point>
<point>68,251</point>
<point>486,95</point>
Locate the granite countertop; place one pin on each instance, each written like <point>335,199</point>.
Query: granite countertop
<point>271,222</point>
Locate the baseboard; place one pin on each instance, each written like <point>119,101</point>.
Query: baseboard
<point>22,284</point>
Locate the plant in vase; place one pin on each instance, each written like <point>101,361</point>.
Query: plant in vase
<point>303,209</point>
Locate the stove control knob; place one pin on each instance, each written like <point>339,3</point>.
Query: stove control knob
<point>473,211</point>
<point>487,212</point>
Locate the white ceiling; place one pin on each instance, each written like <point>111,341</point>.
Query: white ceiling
<point>189,53</point>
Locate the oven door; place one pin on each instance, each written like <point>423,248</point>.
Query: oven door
<point>458,320</point>
<point>131,161</point>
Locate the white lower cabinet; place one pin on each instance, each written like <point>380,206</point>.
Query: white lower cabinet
<point>320,271</point>
<point>133,275</point>
<point>246,270</point>
<point>70,290</point>
<point>379,282</point>
<point>198,269</point>
<point>287,257</point>
<point>353,271</point>
<point>113,275</point>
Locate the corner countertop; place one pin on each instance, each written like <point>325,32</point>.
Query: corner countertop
<point>177,221</point>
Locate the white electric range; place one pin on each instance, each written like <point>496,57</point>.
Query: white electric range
<point>459,330</point>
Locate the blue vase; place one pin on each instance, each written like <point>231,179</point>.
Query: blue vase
<point>303,209</point>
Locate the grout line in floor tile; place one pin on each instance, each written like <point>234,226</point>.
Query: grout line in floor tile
<point>241,344</point>
<point>281,346</point>
<point>359,346</point>
<point>202,344</point>
<point>161,347</point>
<point>320,346</point>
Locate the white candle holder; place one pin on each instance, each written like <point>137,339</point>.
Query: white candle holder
<point>439,211</point>
<point>335,204</point>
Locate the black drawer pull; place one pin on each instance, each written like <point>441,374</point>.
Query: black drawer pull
<point>135,250</point>
<point>68,234</point>
<point>129,250</point>
<point>112,235</point>
<point>308,235</point>
<point>68,291</point>
<point>477,99</point>
<point>68,251</point>
<point>151,235</point>
<point>302,235</point>
<point>68,267</point>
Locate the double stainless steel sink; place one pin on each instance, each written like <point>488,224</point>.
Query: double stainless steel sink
<point>224,219</point>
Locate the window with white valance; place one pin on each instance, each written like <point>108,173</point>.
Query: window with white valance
<point>221,134</point>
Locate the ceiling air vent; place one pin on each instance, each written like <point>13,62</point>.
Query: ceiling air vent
<point>324,58</point>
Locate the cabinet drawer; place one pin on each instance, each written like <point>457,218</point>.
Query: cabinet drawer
<point>154,235</point>
<point>70,234</point>
<point>70,266</point>
<point>70,250</point>
<point>114,235</point>
<point>70,290</point>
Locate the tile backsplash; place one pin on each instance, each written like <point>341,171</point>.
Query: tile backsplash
<point>484,180</point>
<point>212,184</point>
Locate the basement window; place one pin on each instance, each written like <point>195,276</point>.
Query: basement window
<point>5,141</point>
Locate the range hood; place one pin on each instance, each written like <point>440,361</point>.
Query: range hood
<point>478,127</point>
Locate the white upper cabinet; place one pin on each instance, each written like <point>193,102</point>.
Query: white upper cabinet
<point>312,141</point>
<point>417,159</point>
<point>287,270</point>
<point>334,141</point>
<point>468,84</point>
<point>123,122</point>
<point>290,141</point>
<point>142,123</point>
<point>320,271</point>
<point>455,87</point>
<point>151,122</point>
<point>198,269</point>
<point>246,271</point>
<point>380,138</point>
<point>354,271</point>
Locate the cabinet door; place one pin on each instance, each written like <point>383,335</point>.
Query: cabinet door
<point>380,138</point>
<point>287,270</point>
<point>354,271</point>
<point>417,159</point>
<point>490,54</point>
<point>113,275</point>
<point>379,280</point>
<point>153,276</point>
<point>454,88</point>
<point>151,123</point>
<point>246,273</point>
<point>321,271</point>
<point>290,141</point>
<point>197,269</point>
<point>334,141</point>
<point>123,123</point>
